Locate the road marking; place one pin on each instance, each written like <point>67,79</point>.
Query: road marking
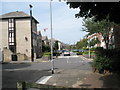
<point>43,80</point>
<point>14,69</point>
<point>75,56</point>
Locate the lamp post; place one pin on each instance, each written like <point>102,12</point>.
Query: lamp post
<point>32,53</point>
<point>52,61</point>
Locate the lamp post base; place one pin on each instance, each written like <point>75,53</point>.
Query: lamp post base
<point>52,71</point>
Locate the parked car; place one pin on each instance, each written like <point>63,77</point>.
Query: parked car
<point>66,53</point>
<point>59,51</point>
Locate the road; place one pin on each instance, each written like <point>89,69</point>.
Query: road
<point>12,73</point>
<point>69,70</point>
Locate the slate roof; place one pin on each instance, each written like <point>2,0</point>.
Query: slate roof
<point>17,14</point>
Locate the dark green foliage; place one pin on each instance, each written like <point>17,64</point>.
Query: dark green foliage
<point>79,53</point>
<point>87,52</point>
<point>107,60</point>
<point>99,10</point>
<point>45,48</point>
<point>102,27</point>
<point>94,41</point>
<point>56,54</point>
<point>56,45</point>
<point>82,43</point>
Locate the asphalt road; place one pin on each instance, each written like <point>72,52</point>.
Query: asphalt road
<point>12,73</point>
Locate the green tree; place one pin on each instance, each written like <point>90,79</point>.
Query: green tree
<point>99,10</point>
<point>45,48</point>
<point>103,27</point>
<point>82,43</point>
<point>56,45</point>
<point>94,41</point>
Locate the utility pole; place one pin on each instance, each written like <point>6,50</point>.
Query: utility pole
<point>52,61</point>
<point>32,53</point>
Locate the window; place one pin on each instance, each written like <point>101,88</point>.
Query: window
<point>11,35</point>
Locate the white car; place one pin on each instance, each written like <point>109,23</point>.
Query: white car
<point>66,53</point>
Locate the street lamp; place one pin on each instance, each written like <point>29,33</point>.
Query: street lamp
<point>32,53</point>
<point>52,61</point>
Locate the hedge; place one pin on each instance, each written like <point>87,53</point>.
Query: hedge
<point>107,60</point>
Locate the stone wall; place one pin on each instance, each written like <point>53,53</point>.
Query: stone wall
<point>23,37</point>
<point>21,57</point>
<point>7,55</point>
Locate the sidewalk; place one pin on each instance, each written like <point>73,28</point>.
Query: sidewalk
<point>26,61</point>
<point>75,78</point>
<point>95,80</point>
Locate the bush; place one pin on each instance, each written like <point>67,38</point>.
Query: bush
<point>102,63</point>
<point>107,60</point>
<point>79,53</point>
<point>87,52</point>
<point>47,54</point>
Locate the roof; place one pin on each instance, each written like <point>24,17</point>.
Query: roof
<point>44,38</point>
<point>17,14</point>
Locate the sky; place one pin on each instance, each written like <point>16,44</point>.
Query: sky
<point>66,27</point>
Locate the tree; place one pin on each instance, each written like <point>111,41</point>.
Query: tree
<point>99,10</point>
<point>45,48</point>
<point>94,41</point>
<point>56,45</point>
<point>103,27</point>
<point>82,43</point>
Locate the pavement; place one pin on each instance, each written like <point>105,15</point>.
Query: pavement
<point>74,78</point>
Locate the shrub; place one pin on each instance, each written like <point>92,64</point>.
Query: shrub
<point>91,52</point>
<point>107,60</point>
<point>86,52</point>
<point>79,53</point>
<point>47,54</point>
<point>102,63</point>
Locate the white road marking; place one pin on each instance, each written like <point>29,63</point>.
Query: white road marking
<point>43,80</point>
<point>75,56</point>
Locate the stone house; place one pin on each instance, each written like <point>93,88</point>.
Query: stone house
<point>17,37</point>
<point>39,45</point>
<point>60,44</point>
<point>45,40</point>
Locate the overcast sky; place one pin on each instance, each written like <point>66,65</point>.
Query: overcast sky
<point>66,27</point>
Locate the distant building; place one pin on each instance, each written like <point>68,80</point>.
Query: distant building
<point>114,40</point>
<point>60,44</point>
<point>16,35</point>
<point>100,38</point>
<point>45,40</point>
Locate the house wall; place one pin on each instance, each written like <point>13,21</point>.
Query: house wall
<point>39,46</point>
<point>4,34</point>
<point>23,37</point>
<point>34,29</point>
